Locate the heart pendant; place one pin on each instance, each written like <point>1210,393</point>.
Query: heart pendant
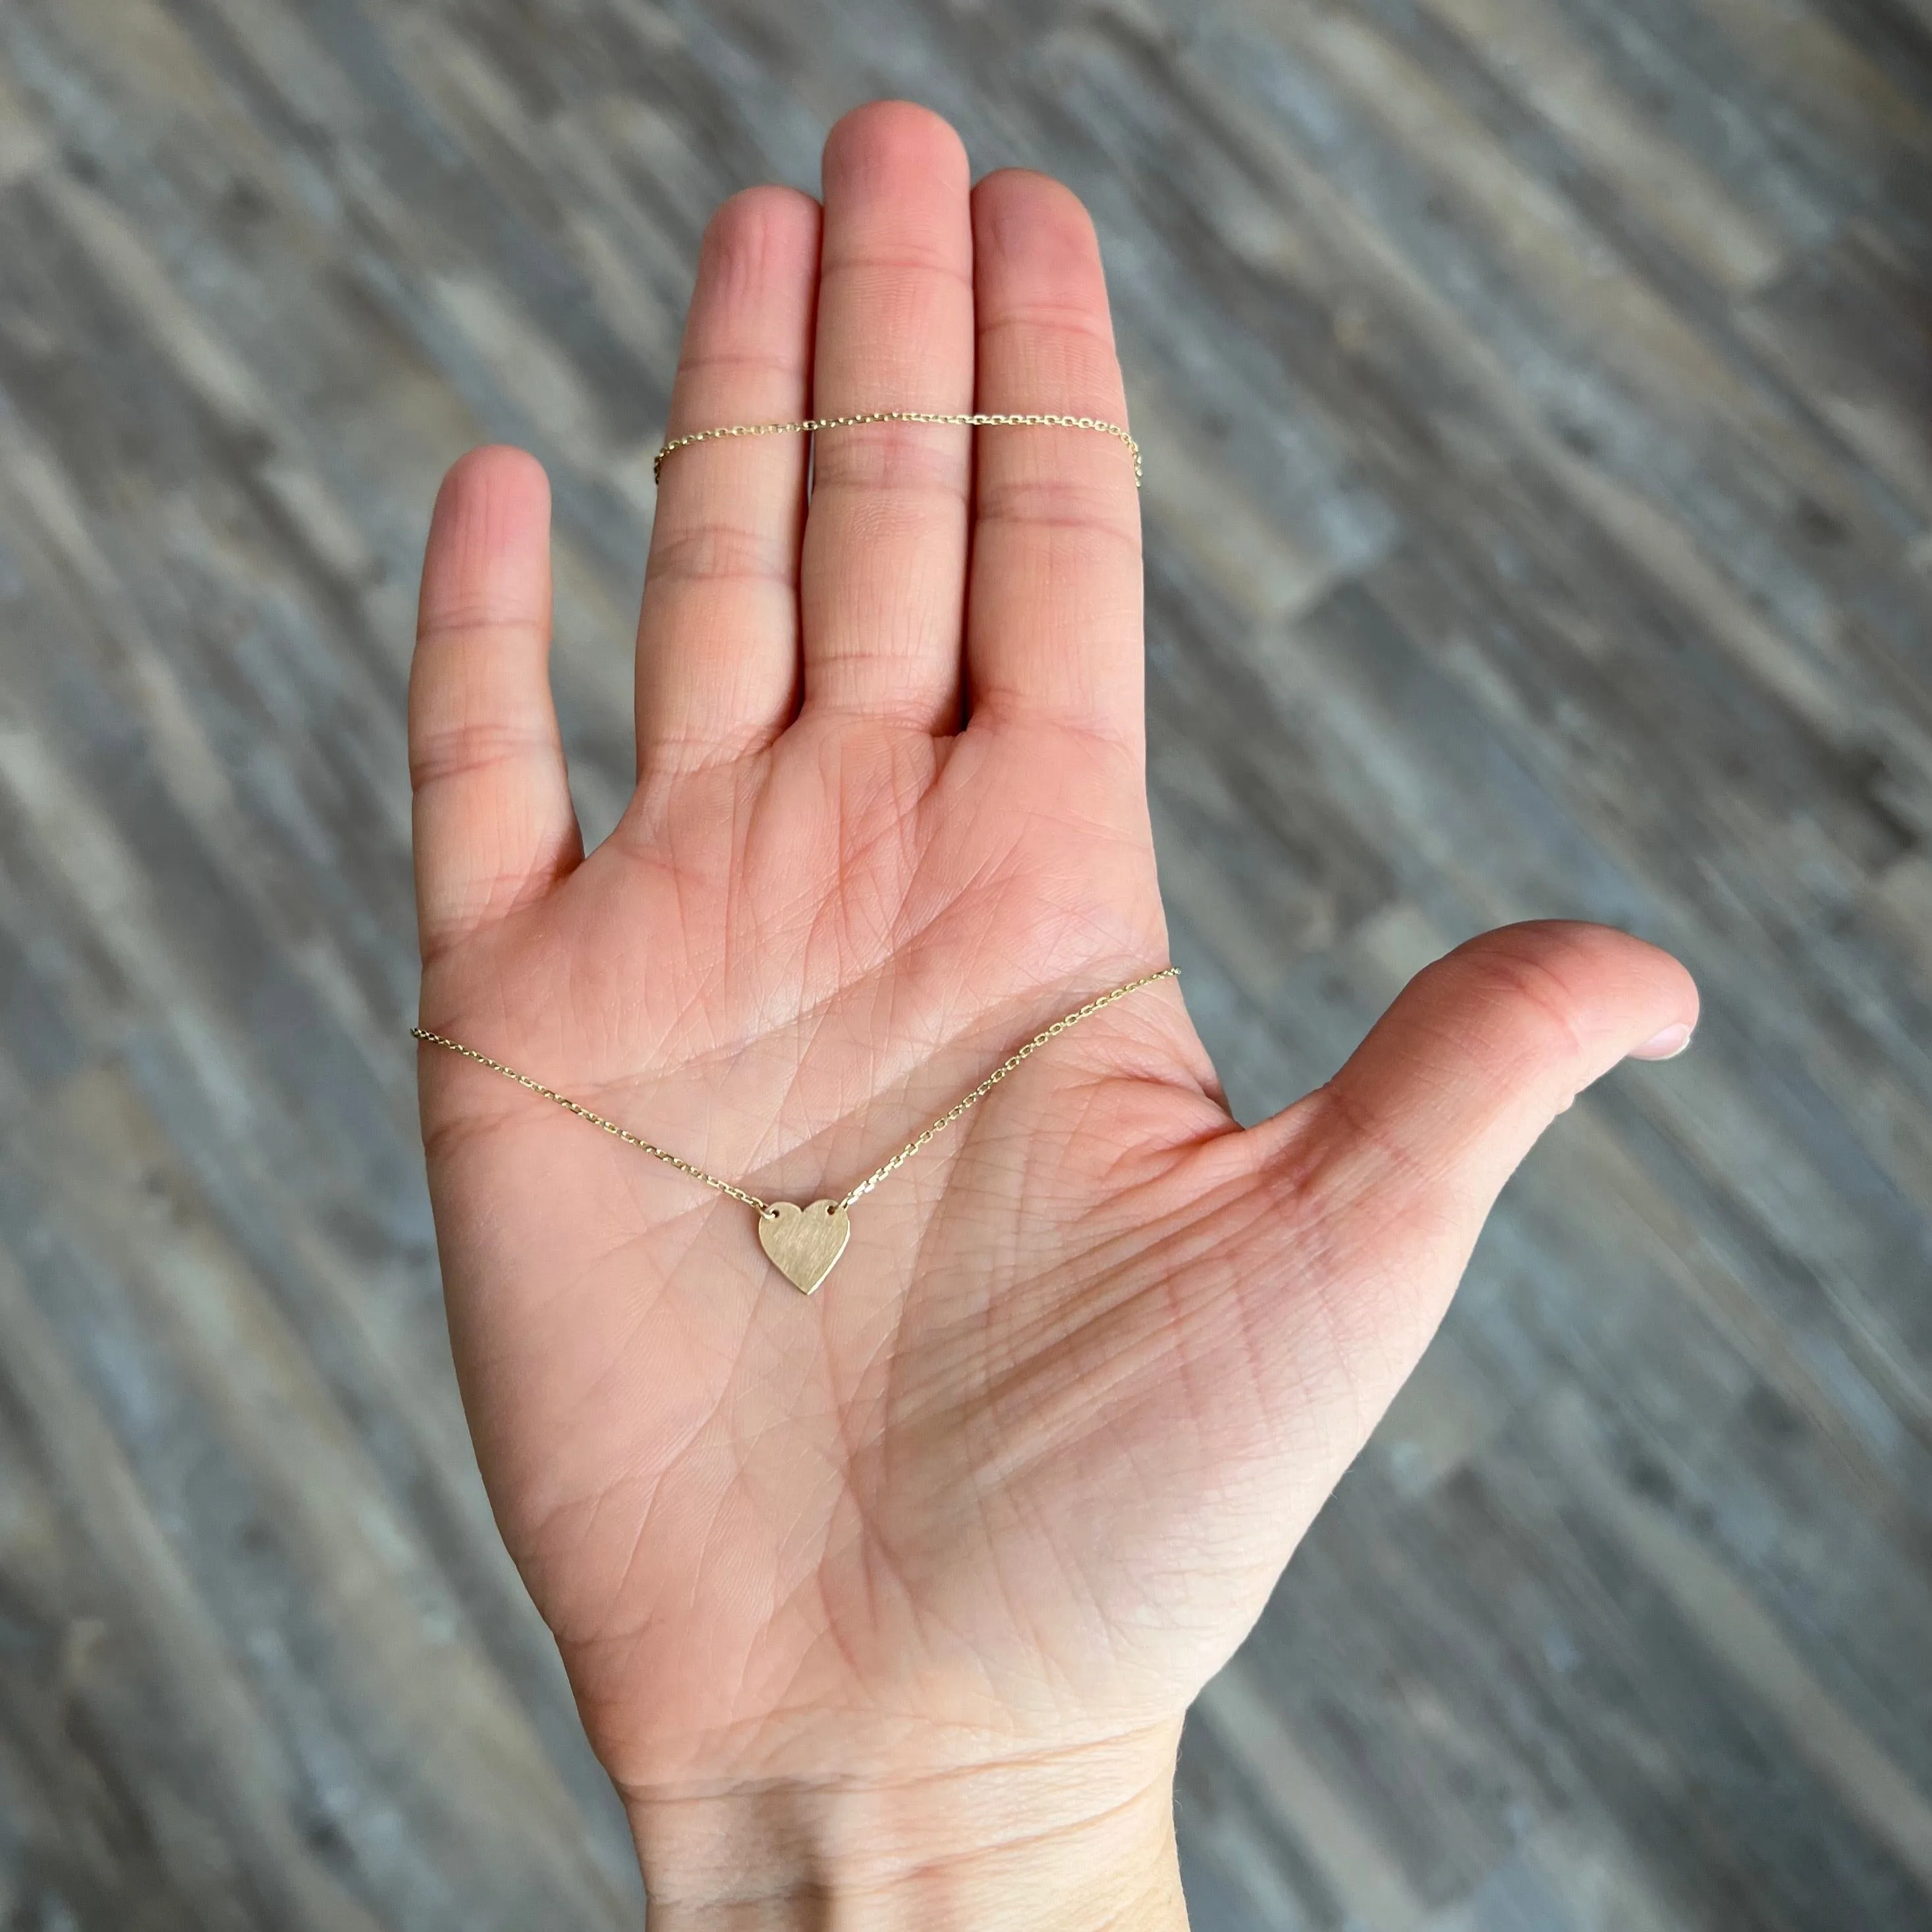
<point>804,1243</point>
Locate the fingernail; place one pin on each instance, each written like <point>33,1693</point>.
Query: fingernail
<point>1665,1045</point>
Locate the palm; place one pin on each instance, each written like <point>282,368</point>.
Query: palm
<point>1020,1473</point>
<point>885,957</point>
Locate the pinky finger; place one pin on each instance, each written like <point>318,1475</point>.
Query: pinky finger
<point>494,824</point>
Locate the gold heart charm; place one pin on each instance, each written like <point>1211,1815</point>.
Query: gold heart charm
<point>804,1243</point>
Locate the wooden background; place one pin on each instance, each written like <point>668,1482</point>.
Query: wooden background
<point>1537,397</point>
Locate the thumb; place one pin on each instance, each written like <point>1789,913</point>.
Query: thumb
<point>1483,1049</point>
<point>1332,1236</point>
<point>1399,1159</point>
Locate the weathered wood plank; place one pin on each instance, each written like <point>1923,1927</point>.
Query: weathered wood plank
<point>1538,508</point>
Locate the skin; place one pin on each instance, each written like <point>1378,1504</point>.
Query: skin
<point>885,1606</point>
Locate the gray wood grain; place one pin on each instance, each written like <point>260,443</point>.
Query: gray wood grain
<point>1537,399</point>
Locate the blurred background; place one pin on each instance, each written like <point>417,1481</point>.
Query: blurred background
<point>1535,395</point>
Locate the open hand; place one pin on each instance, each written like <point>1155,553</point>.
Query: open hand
<point>897,1595</point>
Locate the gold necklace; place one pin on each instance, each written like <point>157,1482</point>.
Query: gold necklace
<point>804,1243</point>
<point>968,418</point>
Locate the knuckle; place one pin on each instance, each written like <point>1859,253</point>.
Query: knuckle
<point>902,262</point>
<point>1092,520</point>
<point>477,620</point>
<point>1072,324</point>
<point>921,458</point>
<point>755,231</point>
<point>463,750</point>
<point>716,552</point>
<point>734,363</point>
<point>1522,985</point>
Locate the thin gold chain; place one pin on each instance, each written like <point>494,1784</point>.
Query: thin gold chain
<point>583,1113</point>
<point>955,1111</point>
<point>969,419</point>
<point>999,1073</point>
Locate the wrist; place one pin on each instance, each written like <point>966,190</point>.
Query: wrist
<point>1077,1841</point>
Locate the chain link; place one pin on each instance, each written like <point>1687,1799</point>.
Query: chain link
<point>583,1113</point>
<point>961,1107</point>
<point>956,1111</point>
<point>973,419</point>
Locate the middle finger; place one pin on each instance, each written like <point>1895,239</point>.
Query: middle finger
<point>883,576</point>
